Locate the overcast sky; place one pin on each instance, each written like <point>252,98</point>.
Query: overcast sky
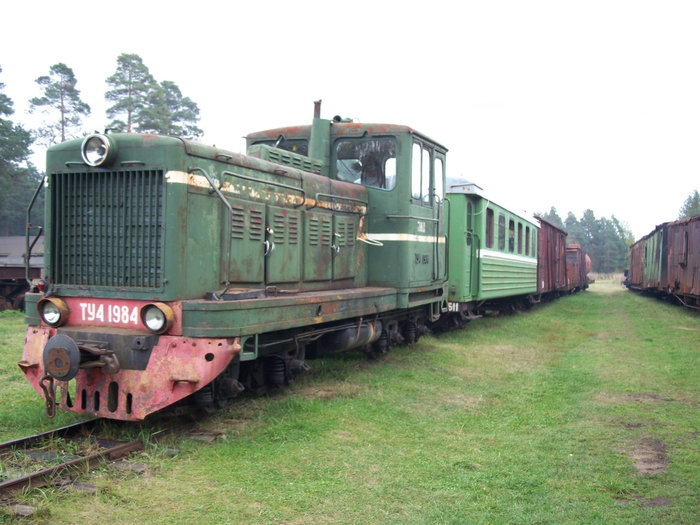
<point>586,104</point>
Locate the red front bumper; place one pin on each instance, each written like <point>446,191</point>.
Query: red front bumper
<point>178,366</point>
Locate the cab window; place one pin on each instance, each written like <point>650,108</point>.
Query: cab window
<point>439,177</point>
<point>370,162</point>
<point>427,175</point>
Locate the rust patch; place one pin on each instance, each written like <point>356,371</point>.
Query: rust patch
<point>650,457</point>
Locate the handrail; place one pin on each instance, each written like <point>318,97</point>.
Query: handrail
<point>27,247</point>
<point>476,239</point>
<point>429,219</point>
<point>230,222</point>
<point>271,183</point>
<point>337,197</point>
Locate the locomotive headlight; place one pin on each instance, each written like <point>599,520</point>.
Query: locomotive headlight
<point>53,311</point>
<point>98,149</point>
<point>158,317</point>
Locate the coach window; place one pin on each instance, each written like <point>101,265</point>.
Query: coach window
<point>370,162</point>
<point>511,236</point>
<point>501,232</point>
<point>534,242</point>
<point>489,228</point>
<point>520,238</point>
<point>527,240</point>
<point>684,260</point>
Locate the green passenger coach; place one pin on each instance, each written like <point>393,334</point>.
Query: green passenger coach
<point>492,253</point>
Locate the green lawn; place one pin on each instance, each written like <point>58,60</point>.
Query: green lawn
<point>584,410</point>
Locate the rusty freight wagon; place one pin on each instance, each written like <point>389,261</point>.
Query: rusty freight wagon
<point>578,265</point>
<point>682,276</point>
<point>649,261</point>
<point>666,262</point>
<point>551,259</point>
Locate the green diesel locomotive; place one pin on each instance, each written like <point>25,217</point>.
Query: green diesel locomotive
<point>173,269</point>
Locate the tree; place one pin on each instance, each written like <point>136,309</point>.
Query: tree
<point>61,97</point>
<point>14,139</point>
<point>607,241</point>
<point>149,107</point>
<point>691,206</point>
<point>169,113</point>
<point>574,229</point>
<point>184,112</point>
<point>18,182</point>
<point>553,217</point>
<point>131,84</point>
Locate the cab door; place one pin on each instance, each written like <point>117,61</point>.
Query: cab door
<point>427,214</point>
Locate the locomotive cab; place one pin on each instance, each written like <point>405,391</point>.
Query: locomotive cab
<point>403,172</point>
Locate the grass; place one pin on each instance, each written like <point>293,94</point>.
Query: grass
<point>549,416</point>
<point>21,409</point>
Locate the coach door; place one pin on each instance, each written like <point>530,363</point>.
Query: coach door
<point>471,242</point>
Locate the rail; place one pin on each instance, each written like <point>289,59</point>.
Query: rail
<point>98,450</point>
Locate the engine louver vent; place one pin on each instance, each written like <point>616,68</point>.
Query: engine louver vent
<point>107,228</point>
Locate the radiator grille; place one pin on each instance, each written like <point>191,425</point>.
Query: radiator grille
<point>108,228</point>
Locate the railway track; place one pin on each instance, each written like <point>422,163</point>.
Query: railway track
<point>39,459</point>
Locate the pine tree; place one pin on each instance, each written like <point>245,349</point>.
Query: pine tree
<point>149,107</point>
<point>167,112</point>
<point>62,99</point>
<point>553,217</point>
<point>184,113</point>
<point>691,206</point>
<point>131,84</point>
<point>575,230</point>
<point>607,241</point>
<point>155,116</point>
<point>14,139</point>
